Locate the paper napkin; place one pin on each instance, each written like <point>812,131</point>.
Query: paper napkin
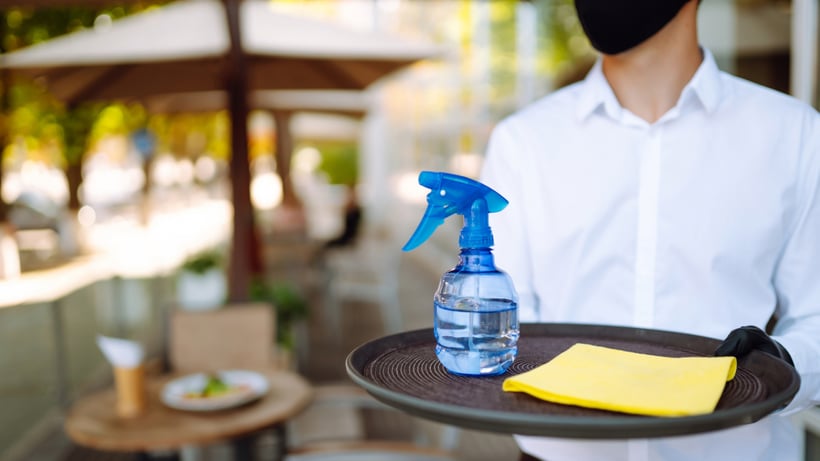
<point>121,353</point>
<point>611,379</point>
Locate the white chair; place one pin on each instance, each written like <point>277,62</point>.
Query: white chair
<point>367,271</point>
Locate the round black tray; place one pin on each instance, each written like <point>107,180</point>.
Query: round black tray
<point>402,370</point>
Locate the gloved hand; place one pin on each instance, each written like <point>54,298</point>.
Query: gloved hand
<point>743,340</point>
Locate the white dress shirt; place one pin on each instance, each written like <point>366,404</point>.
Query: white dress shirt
<point>702,222</point>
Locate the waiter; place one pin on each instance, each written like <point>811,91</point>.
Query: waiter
<point>661,192</point>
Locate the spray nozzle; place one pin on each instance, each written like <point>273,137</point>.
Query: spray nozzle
<point>453,194</point>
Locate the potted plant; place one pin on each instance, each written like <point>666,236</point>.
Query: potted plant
<point>202,284</point>
<point>289,305</point>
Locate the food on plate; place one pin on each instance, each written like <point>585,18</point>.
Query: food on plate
<point>216,387</point>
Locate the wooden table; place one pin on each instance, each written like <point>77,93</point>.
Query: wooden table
<point>92,421</point>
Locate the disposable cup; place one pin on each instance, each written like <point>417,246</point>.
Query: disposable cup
<point>130,388</point>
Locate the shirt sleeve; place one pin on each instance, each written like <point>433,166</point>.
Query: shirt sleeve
<point>797,276</point>
<point>502,171</point>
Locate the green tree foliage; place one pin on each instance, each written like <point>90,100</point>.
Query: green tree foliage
<point>77,124</point>
<point>289,305</point>
<point>33,116</point>
<point>32,119</point>
<point>26,26</point>
<point>561,36</point>
<point>503,42</point>
<point>340,162</point>
<point>192,135</point>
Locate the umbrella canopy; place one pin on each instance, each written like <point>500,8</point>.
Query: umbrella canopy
<point>183,47</point>
<point>207,45</point>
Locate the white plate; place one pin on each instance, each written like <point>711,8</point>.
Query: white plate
<point>254,385</point>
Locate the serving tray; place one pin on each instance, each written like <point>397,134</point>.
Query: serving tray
<point>402,370</point>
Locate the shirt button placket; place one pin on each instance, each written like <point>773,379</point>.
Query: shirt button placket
<point>647,229</point>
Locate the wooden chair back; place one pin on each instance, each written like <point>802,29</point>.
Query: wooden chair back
<point>232,337</point>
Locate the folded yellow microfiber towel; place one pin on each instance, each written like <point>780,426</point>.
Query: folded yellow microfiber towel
<point>611,379</point>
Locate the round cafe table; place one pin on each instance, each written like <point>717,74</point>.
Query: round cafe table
<point>92,421</point>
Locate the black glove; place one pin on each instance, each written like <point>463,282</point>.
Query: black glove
<point>743,340</point>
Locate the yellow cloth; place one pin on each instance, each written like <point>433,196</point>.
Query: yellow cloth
<point>610,379</point>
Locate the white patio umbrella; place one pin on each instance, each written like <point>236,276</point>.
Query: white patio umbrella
<point>207,45</point>
<point>185,46</point>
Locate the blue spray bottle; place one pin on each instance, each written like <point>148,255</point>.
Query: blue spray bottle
<point>476,305</point>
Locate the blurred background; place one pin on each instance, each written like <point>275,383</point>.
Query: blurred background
<point>148,184</point>
<point>436,114</point>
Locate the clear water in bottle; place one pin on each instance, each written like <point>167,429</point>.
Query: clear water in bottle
<point>476,336</point>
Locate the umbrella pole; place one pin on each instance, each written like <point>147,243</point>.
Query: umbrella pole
<point>245,261</point>
<point>284,152</point>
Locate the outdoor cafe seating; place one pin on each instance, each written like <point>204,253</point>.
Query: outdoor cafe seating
<point>235,339</point>
<point>296,419</point>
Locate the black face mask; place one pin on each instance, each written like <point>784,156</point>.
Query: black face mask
<point>614,26</point>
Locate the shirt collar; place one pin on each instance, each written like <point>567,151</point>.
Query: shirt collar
<point>705,86</point>
<point>596,92</point>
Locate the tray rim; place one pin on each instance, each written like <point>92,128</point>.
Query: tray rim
<point>610,427</point>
